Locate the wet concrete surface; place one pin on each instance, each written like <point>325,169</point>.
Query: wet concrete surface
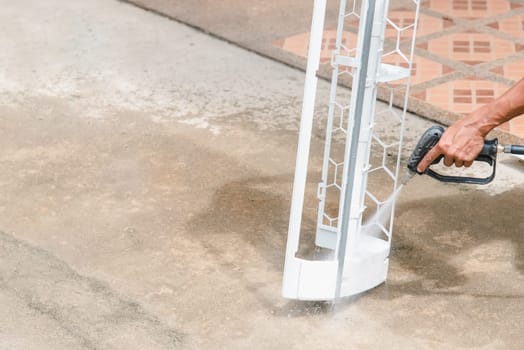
<point>145,202</point>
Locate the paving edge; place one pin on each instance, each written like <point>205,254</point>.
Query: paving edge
<point>420,108</point>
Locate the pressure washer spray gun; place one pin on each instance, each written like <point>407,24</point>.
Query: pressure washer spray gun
<point>432,136</point>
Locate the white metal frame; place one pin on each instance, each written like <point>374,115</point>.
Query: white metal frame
<point>359,260</point>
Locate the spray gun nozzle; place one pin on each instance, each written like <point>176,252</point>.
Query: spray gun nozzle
<point>407,176</point>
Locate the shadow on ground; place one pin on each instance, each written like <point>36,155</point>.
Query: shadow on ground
<point>254,213</point>
<point>429,232</point>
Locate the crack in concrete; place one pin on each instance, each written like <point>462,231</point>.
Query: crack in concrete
<point>52,314</point>
<point>84,307</point>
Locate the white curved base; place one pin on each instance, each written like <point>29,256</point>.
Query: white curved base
<point>366,268</point>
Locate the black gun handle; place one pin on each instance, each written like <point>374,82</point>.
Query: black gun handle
<point>430,139</point>
<point>427,141</point>
<point>488,154</point>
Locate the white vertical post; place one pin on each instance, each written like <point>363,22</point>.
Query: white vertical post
<point>304,142</point>
<point>358,142</point>
<point>321,239</point>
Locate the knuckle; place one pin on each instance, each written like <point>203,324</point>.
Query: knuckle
<point>468,158</point>
<point>443,144</point>
<point>461,155</point>
<point>453,150</point>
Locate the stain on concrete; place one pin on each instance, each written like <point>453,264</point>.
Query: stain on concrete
<point>252,210</point>
<point>431,234</point>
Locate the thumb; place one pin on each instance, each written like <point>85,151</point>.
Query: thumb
<point>429,158</point>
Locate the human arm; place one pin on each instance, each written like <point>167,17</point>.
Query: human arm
<point>463,140</point>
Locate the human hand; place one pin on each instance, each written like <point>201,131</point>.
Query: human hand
<point>460,144</point>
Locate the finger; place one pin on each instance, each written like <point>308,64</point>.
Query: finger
<point>468,164</point>
<point>459,163</point>
<point>428,159</point>
<point>448,160</point>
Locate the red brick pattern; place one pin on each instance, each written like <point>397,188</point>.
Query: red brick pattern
<point>298,44</point>
<point>470,9</point>
<point>404,18</point>
<point>477,5</point>
<point>513,25</point>
<point>463,96</point>
<point>513,70</point>
<point>468,46</point>
<point>422,70</point>
<point>471,47</point>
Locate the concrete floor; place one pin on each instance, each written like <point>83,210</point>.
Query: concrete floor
<point>279,30</point>
<point>145,188</point>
